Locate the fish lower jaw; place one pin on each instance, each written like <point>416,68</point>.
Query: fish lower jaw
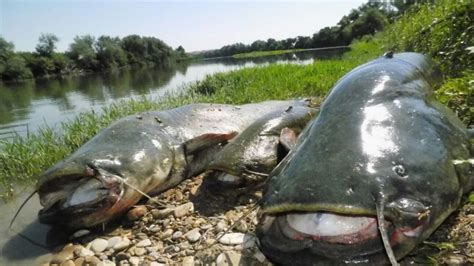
<point>329,228</point>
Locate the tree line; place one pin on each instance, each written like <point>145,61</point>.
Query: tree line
<point>368,19</point>
<point>85,54</point>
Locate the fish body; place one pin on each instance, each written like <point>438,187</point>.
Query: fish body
<point>254,152</point>
<point>383,157</point>
<point>150,152</point>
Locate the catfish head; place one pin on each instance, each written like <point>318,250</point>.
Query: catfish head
<point>382,166</point>
<point>100,180</point>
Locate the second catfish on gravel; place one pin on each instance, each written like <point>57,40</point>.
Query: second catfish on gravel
<point>150,152</point>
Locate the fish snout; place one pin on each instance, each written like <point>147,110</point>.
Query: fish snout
<point>408,216</point>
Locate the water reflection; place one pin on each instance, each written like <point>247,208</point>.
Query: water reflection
<point>55,100</point>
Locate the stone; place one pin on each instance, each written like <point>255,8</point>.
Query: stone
<point>241,227</point>
<point>107,263</point>
<point>136,213</point>
<point>232,239</point>
<point>140,251</point>
<point>154,263</point>
<point>193,235</point>
<point>81,233</point>
<point>228,259</point>
<point>259,256</point>
<point>134,260</point>
<point>123,244</point>
<point>84,252</point>
<point>144,243</point>
<point>177,235</point>
<point>167,233</point>
<point>183,210</point>
<point>220,226</point>
<point>99,245</point>
<point>122,256</point>
<point>92,260</point>
<point>113,241</point>
<point>188,261</point>
<point>79,261</point>
<point>68,263</point>
<point>67,253</point>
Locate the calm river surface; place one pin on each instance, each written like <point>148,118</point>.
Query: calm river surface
<point>53,101</point>
<point>49,102</point>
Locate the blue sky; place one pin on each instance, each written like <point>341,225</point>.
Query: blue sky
<point>196,25</point>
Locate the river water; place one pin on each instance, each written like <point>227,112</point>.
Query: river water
<point>26,106</point>
<point>30,105</point>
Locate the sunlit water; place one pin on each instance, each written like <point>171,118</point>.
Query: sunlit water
<point>49,102</point>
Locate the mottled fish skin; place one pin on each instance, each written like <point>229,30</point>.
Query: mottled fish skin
<point>381,138</point>
<point>151,151</point>
<point>255,152</point>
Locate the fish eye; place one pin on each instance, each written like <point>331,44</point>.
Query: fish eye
<point>399,170</point>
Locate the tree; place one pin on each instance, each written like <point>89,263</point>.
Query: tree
<point>110,52</point>
<point>6,51</point>
<point>16,69</point>
<point>46,44</point>
<point>82,52</point>
<point>135,49</point>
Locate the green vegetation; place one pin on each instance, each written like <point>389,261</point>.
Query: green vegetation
<point>85,54</point>
<point>265,53</point>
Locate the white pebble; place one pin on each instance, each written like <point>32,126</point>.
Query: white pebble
<point>99,245</point>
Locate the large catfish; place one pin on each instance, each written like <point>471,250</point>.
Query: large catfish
<point>150,152</point>
<point>382,166</point>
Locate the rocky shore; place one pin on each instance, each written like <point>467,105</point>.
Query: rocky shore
<point>184,226</point>
<point>188,225</point>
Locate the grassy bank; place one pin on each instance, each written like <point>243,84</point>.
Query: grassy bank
<point>265,53</point>
<point>21,159</point>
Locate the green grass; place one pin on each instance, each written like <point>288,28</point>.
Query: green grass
<point>23,159</point>
<point>265,53</point>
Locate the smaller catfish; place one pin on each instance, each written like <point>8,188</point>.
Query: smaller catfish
<point>141,155</point>
<point>253,154</point>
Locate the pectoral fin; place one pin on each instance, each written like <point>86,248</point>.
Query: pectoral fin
<point>288,138</point>
<point>205,141</point>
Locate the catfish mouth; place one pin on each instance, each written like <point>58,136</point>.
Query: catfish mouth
<point>330,237</point>
<point>71,198</point>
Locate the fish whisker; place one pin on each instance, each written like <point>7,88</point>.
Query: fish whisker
<point>21,207</point>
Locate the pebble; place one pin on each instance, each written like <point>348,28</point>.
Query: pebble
<point>177,235</point>
<point>140,251</point>
<point>259,256</point>
<point>122,256</point>
<point>107,263</point>
<point>188,261</point>
<point>241,227</point>
<point>154,263</point>
<point>193,235</point>
<point>160,214</point>
<point>99,245</point>
<point>84,252</point>
<point>144,243</point>
<point>136,213</point>
<point>228,258</point>
<point>113,241</point>
<point>68,263</point>
<point>232,239</point>
<point>167,233</point>
<point>220,226</point>
<point>79,261</point>
<point>81,233</point>
<point>134,260</point>
<point>123,244</point>
<point>92,260</point>
<point>183,210</point>
<point>67,253</point>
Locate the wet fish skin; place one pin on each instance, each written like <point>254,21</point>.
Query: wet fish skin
<point>258,149</point>
<point>380,139</point>
<point>152,152</point>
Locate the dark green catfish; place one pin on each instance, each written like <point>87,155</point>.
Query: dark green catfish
<point>150,152</point>
<point>381,167</point>
<point>253,154</point>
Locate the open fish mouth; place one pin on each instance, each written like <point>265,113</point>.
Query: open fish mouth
<point>329,227</point>
<point>78,194</point>
<point>326,235</point>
